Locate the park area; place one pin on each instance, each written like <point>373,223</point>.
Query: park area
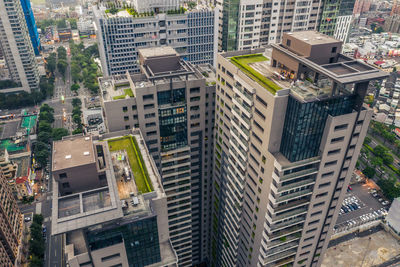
<point>136,162</point>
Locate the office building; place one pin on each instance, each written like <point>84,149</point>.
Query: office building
<point>392,24</point>
<point>31,24</point>
<point>11,225</point>
<point>336,18</point>
<point>109,203</point>
<point>288,133</point>
<point>192,33</point>
<point>16,47</point>
<point>254,23</point>
<point>172,102</point>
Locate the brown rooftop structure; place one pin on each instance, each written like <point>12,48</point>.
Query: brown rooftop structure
<point>68,153</point>
<point>313,37</point>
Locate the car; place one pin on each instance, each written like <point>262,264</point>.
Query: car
<point>124,204</point>
<point>44,229</point>
<point>374,194</point>
<point>27,219</point>
<point>380,199</point>
<point>349,187</point>
<point>384,203</point>
<point>345,210</point>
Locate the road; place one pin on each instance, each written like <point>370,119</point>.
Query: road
<point>396,160</point>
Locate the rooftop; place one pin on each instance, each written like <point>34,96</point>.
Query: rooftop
<point>313,37</point>
<point>157,52</point>
<point>72,152</point>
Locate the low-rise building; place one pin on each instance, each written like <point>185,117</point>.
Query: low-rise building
<point>393,217</point>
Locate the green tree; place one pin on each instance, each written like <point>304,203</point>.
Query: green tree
<point>77,131</point>
<point>73,24</point>
<point>387,158</point>
<point>61,24</point>
<point>380,150</point>
<point>51,63</point>
<point>62,66</point>
<point>61,53</point>
<point>38,218</point>
<point>44,137</point>
<point>75,87</point>
<point>44,127</point>
<point>369,172</point>
<point>46,116</point>
<point>367,140</point>
<point>58,133</point>
<point>389,188</point>
<point>76,102</point>
<point>77,119</point>
<point>42,157</point>
<point>377,162</point>
<point>46,107</point>
<point>36,261</point>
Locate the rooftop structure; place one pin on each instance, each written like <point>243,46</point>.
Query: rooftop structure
<point>129,193</point>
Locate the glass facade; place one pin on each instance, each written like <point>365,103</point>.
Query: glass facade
<point>230,22</point>
<point>140,237</point>
<point>172,115</point>
<point>31,23</point>
<point>305,123</point>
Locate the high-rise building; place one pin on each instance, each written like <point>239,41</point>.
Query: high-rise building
<point>16,47</point>
<point>122,32</point>
<point>361,6</point>
<point>11,225</point>
<point>336,18</point>
<point>31,24</point>
<point>254,23</point>
<point>172,102</point>
<point>109,203</point>
<point>288,133</point>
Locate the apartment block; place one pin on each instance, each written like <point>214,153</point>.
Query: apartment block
<point>191,32</point>
<point>172,102</point>
<point>11,225</point>
<point>251,24</point>
<point>16,47</point>
<point>109,203</point>
<point>289,128</point>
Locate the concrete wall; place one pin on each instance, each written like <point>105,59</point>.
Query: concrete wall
<point>98,256</point>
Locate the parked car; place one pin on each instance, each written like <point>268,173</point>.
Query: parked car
<point>27,219</point>
<point>384,203</point>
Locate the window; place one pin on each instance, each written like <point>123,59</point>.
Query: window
<point>65,185</point>
<point>62,175</point>
<point>111,257</point>
<point>324,185</point>
<point>330,163</point>
<point>321,195</point>
<point>126,118</point>
<point>124,109</point>
<point>134,107</point>
<point>195,90</point>
<point>338,139</point>
<point>288,42</point>
<point>313,222</point>
<point>259,99</point>
<point>150,124</point>
<point>325,175</point>
<point>148,97</point>
<point>148,106</point>
<point>319,204</point>
<point>333,152</point>
<point>334,49</point>
<point>341,127</point>
<point>150,115</point>
<point>195,98</point>
<point>151,133</point>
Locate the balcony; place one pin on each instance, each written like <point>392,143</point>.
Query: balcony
<point>293,195</point>
<point>284,247</point>
<point>298,174</point>
<point>289,214</point>
<point>281,256</point>
<point>295,185</point>
<point>282,233</point>
<point>285,224</point>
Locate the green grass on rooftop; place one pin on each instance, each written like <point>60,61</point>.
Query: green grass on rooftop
<point>136,162</point>
<point>127,92</point>
<point>243,63</point>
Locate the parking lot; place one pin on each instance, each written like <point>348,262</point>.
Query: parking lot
<point>360,207</point>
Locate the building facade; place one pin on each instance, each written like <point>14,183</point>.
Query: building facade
<point>17,48</point>
<point>172,102</point>
<point>11,225</point>
<point>255,23</point>
<point>31,24</point>
<point>192,33</point>
<point>288,133</point>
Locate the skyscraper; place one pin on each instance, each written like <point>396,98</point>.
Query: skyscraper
<point>193,33</point>
<point>255,23</point>
<point>172,102</point>
<point>31,24</point>
<point>288,132</point>
<point>336,18</point>
<point>16,47</point>
<point>11,225</point>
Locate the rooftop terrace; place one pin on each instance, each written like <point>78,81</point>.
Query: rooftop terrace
<point>252,65</point>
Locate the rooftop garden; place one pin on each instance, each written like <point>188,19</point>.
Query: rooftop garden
<point>127,92</point>
<point>136,162</point>
<point>114,9</point>
<point>243,63</point>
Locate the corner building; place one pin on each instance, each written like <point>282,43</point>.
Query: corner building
<point>288,133</point>
<point>172,102</point>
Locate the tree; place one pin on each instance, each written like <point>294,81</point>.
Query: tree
<point>389,188</point>
<point>51,62</point>
<point>77,131</point>
<point>36,261</point>
<point>38,218</point>
<point>46,107</point>
<point>73,24</point>
<point>44,137</point>
<point>387,158</point>
<point>42,157</point>
<point>40,146</point>
<point>46,116</point>
<point>377,162</point>
<point>61,52</point>
<point>367,140</point>
<point>62,66</point>
<point>75,87</point>
<point>76,102</point>
<point>77,119</point>
<point>379,150</point>
<point>58,133</point>
<point>44,127</point>
<point>61,24</point>
<point>369,172</point>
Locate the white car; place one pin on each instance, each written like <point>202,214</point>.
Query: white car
<point>384,203</point>
<point>27,219</point>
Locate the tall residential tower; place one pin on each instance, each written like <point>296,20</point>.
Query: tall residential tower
<point>16,47</point>
<point>288,132</point>
<point>172,102</point>
<point>123,32</point>
<point>31,24</point>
